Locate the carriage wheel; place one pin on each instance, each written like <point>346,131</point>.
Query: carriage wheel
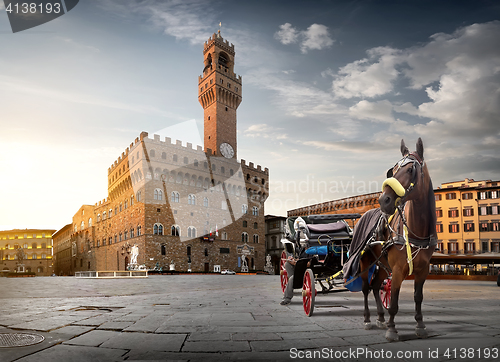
<point>385,292</point>
<point>308,292</point>
<point>283,273</point>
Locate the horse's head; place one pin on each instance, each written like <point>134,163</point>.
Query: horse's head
<point>404,179</point>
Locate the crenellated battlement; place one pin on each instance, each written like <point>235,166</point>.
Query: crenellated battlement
<point>155,140</point>
<point>102,202</point>
<point>217,38</point>
<point>251,167</point>
<point>233,76</point>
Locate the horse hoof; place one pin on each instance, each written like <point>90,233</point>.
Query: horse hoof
<point>421,332</point>
<point>367,325</point>
<point>381,325</point>
<point>392,336</point>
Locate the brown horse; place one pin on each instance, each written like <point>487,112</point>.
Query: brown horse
<point>408,232</point>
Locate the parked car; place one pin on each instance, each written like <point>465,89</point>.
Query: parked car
<point>228,272</point>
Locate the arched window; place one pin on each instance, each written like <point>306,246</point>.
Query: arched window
<point>126,235</point>
<point>98,217</point>
<point>158,229</point>
<point>244,209</point>
<point>191,199</point>
<point>195,163</point>
<point>131,200</point>
<point>222,169</point>
<point>163,250</point>
<point>255,238</point>
<point>205,201</point>
<point>90,222</point>
<point>120,237</point>
<point>158,194</point>
<point>131,233</point>
<point>186,161</point>
<point>255,225</point>
<point>33,246</point>
<point>245,224</point>
<point>174,158</point>
<point>82,226</point>
<point>138,196</point>
<point>206,251</point>
<point>255,211</point>
<point>175,230</point>
<point>164,156</point>
<point>110,212</point>
<point>174,197</point>
<point>126,204</point>
<point>116,238</point>
<point>121,207</point>
<point>191,232</point>
<point>32,257</point>
<point>139,230</point>
<point>244,237</point>
<point>223,235</point>
<point>152,153</point>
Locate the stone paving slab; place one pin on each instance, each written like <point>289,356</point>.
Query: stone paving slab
<point>231,319</point>
<point>75,354</point>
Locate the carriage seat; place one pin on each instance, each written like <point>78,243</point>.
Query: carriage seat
<point>334,230</point>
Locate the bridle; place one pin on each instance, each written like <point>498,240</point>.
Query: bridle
<point>394,183</point>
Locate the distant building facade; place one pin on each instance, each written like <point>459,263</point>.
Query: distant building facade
<point>190,209</point>
<point>63,251</point>
<point>349,205</point>
<point>275,231</point>
<point>26,250</point>
<point>468,219</point>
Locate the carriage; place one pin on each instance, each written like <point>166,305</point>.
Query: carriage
<point>321,245</point>
<point>396,240</point>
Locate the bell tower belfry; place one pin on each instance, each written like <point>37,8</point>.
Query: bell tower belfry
<point>219,93</point>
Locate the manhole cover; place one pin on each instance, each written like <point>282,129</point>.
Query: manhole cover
<point>19,339</point>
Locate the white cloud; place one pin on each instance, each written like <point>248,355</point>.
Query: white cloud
<point>287,34</point>
<point>369,77</point>
<point>380,111</point>
<point>296,98</point>
<point>316,37</point>
<point>188,20</point>
<point>265,131</point>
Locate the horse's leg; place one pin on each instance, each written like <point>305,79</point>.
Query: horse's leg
<point>377,282</point>
<point>418,296</point>
<point>366,290</point>
<point>397,280</point>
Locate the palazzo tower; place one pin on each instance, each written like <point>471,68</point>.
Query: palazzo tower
<point>219,93</point>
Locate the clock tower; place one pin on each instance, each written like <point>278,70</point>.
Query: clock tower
<point>219,93</point>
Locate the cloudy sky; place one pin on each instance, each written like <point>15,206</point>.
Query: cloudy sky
<point>329,90</point>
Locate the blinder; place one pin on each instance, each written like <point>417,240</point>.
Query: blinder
<point>401,163</point>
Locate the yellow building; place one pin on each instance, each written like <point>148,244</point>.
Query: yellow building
<point>26,250</point>
<point>468,217</point>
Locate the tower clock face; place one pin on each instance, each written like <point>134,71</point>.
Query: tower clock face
<point>226,150</point>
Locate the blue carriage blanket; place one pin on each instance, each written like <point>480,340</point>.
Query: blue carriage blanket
<point>362,233</point>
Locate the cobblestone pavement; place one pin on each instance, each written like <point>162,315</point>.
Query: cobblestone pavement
<point>235,318</point>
